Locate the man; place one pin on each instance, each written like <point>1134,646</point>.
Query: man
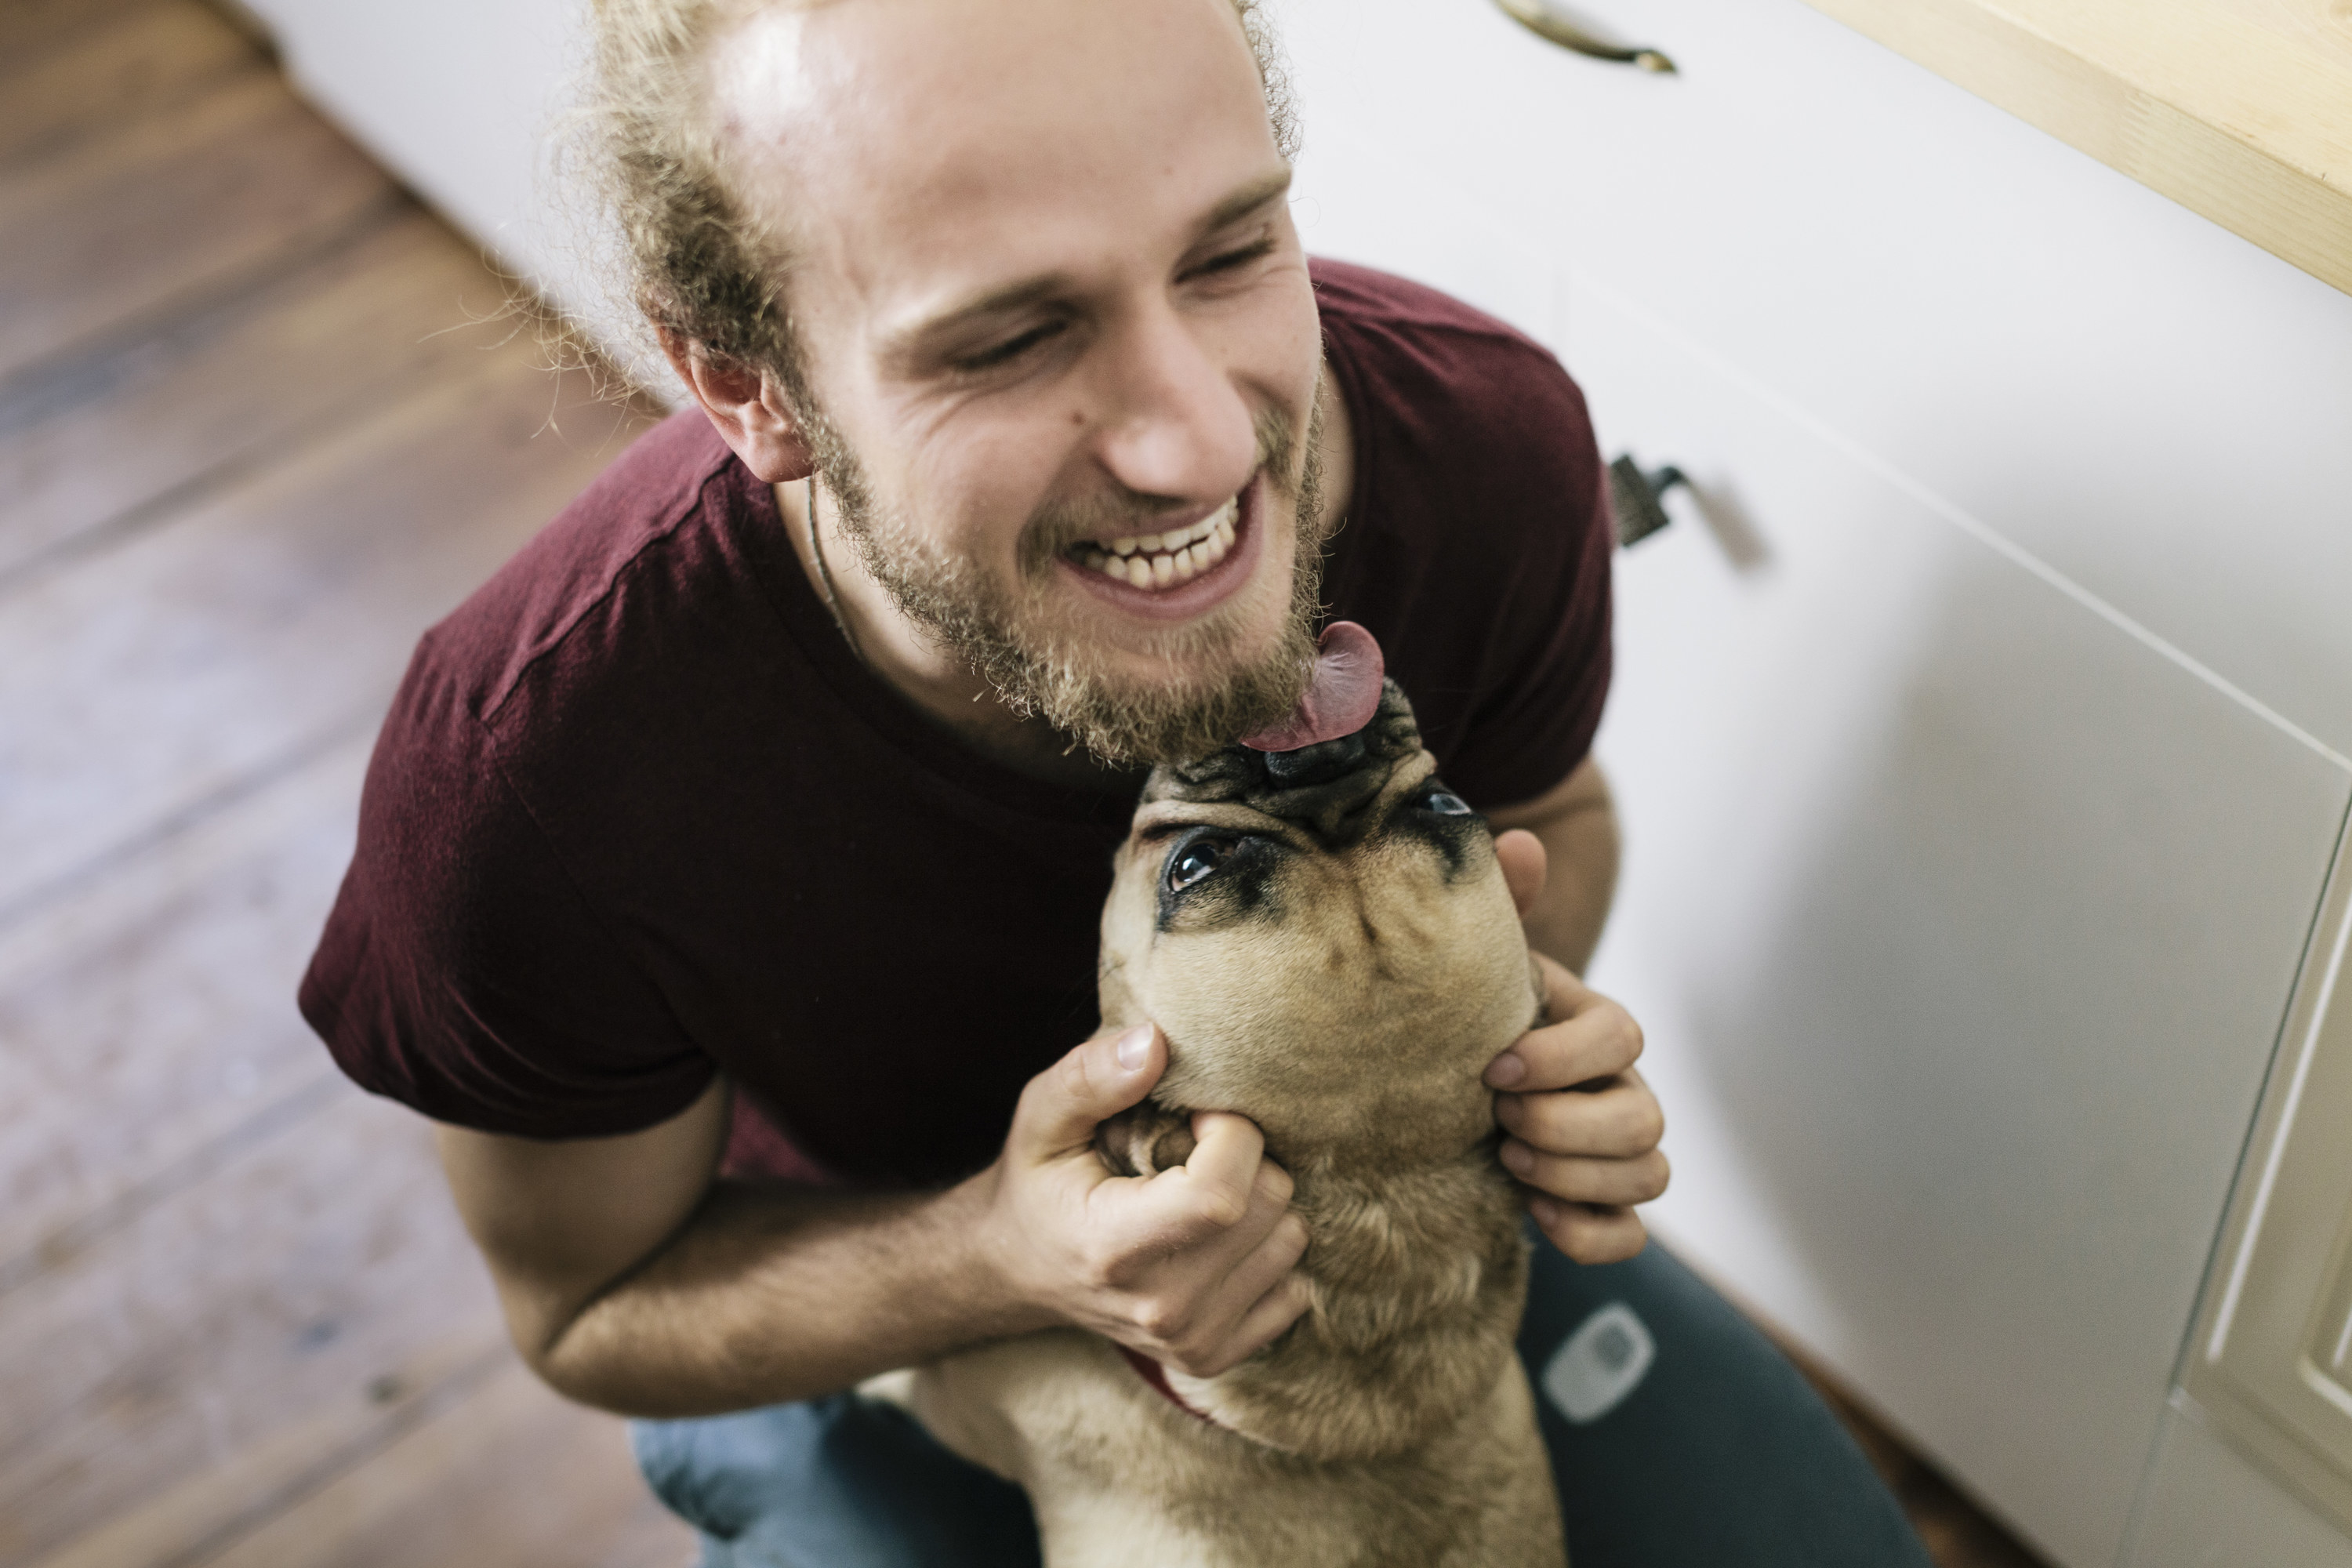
<point>729,864</point>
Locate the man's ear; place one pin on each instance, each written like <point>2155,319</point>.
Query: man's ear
<point>747,408</point>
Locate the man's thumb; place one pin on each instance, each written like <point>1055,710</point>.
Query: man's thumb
<point>1063,1105</point>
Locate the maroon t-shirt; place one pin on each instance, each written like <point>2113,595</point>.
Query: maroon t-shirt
<point>639,815</point>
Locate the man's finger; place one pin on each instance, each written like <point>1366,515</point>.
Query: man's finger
<point>1216,1208</point>
<point>1565,992</point>
<point>1616,1122</point>
<point>1221,1177</point>
<point>1589,1234</point>
<point>1525,861</point>
<point>1268,1262</point>
<point>1600,1040</point>
<point>1576,1179</point>
<point>1062,1106</point>
<point>1283,1304</point>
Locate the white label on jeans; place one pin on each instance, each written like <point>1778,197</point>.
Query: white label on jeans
<point>1597,1366</point>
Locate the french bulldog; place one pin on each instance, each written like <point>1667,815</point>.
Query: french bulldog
<point>1324,937</point>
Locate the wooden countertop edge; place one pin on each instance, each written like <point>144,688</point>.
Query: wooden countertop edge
<point>2262,148</point>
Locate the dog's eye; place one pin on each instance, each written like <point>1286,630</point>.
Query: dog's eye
<point>1446,802</point>
<point>1194,861</point>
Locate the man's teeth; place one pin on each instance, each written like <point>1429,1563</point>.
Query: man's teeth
<point>1162,559</point>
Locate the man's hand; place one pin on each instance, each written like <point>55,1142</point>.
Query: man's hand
<point>1192,1266</point>
<point>1584,1127</point>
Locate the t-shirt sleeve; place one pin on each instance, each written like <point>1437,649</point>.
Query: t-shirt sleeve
<point>1546,676</point>
<point>463,971</point>
<point>1478,541</point>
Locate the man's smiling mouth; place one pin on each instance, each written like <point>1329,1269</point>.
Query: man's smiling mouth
<point>1162,560</point>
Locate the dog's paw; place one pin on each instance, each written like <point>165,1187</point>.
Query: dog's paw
<point>1145,1140</point>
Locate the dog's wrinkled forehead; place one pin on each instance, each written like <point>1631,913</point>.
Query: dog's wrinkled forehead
<point>1324,785</point>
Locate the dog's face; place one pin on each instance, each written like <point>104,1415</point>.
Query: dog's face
<point>1326,939</point>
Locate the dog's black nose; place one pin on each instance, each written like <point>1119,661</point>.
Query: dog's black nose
<point>1318,763</point>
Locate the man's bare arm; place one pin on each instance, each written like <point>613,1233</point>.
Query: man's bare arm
<point>1577,823</point>
<point>633,1281</point>
<point>1584,1127</point>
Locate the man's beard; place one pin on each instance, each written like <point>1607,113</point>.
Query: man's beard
<point>1057,678</point>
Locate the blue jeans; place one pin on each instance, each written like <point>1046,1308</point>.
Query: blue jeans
<point>1679,1437</point>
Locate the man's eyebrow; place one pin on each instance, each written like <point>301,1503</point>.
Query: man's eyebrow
<point>903,343</point>
<point>1257,193</point>
<point>1011,297</point>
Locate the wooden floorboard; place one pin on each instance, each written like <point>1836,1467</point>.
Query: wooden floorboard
<point>261,421</point>
<point>470,1485</point>
<point>268,618</point>
<point>30,30</point>
<point>146,1024</point>
<point>123,229</point>
<point>312,1266</point>
<point>128,66</point>
<point>235,386</point>
<point>219,1506</point>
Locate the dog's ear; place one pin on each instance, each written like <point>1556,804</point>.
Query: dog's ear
<point>1145,1140</point>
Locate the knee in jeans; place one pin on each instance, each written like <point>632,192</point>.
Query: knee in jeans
<point>673,1456</point>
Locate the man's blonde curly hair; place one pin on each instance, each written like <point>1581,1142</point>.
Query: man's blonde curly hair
<point>699,268</point>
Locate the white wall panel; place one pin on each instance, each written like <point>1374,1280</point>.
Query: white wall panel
<point>466,103</point>
<point>2155,407</point>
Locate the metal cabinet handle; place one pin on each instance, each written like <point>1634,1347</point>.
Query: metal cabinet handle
<point>1637,499</point>
<point>1538,17</point>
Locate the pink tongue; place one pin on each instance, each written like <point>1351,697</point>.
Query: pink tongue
<point>1341,696</point>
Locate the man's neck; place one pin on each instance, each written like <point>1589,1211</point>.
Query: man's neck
<point>941,685</point>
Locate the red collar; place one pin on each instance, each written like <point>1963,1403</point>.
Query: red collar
<point>1152,1372</point>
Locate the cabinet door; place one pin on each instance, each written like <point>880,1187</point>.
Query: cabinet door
<point>2205,1506</point>
<point>1981,746</point>
<point>1963,922</point>
<point>2271,1362</point>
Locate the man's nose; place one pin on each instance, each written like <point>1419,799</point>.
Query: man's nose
<point>1174,423</point>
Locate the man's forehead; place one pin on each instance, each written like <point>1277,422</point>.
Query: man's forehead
<point>900,114</point>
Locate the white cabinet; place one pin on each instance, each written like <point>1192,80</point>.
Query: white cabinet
<point>1981,734</point>
<point>2206,1507</point>
<point>2145,402</point>
<point>1963,923</point>
<point>2270,1362</point>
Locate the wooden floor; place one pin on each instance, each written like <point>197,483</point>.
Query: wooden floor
<point>257,429</point>
<point>252,441</point>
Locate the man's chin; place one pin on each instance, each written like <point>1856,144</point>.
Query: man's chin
<point>1136,693</point>
<point>1137,725</point>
